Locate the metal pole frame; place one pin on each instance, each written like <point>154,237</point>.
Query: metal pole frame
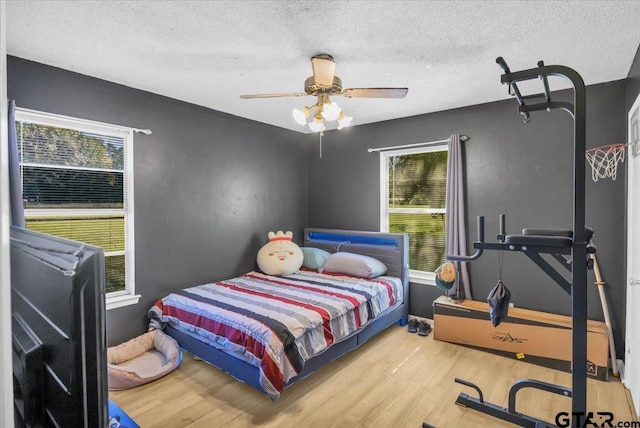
<point>578,248</point>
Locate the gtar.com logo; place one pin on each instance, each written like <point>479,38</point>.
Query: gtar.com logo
<point>591,419</point>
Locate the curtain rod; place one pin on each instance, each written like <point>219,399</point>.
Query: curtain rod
<point>463,138</point>
<point>73,120</point>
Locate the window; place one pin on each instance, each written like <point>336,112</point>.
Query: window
<point>77,184</point>
<point>413,201</point>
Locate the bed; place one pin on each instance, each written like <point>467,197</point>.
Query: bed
<point>286,327</point>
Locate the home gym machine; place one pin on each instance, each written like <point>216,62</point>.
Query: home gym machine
<point>557,243</point>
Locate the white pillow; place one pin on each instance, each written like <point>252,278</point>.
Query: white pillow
<point>354,265</point>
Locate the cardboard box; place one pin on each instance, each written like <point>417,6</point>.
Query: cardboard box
<point>535,337</point>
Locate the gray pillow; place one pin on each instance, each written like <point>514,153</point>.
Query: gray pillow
<point>354,265</point>
<point>314,258</point>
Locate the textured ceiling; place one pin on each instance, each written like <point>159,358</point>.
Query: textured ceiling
<point>210,52</point>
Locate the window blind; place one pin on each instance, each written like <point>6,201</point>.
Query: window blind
<point>74,187</point>
<point>416,204</point>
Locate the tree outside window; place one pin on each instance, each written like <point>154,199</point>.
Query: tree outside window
<point>413,201</point>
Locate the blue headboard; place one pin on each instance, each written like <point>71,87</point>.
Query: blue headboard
<point>392,249</point>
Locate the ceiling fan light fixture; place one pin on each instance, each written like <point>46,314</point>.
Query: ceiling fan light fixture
<point>344,120</point>
<point>317,125</point>
<point>301,115</point>
<point>322,84</point>
<point>331,111</point>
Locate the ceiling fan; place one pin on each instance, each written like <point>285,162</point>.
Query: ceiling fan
<point>325,83</point>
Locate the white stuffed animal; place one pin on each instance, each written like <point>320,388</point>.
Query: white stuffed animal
<point>280,256</point>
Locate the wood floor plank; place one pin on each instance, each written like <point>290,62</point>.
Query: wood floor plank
<point>395,379</point>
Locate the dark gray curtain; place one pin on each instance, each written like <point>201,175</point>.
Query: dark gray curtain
<point>15,184</point>
<point>455,231</point>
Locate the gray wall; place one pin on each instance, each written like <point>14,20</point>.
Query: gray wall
<point>521,170</point>
<point>208,185</point>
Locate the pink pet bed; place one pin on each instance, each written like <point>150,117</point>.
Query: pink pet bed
<point>142,359</point>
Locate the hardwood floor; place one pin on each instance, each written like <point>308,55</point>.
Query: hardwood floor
<point>397,379</point>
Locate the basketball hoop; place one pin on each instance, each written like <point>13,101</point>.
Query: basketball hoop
<point>604,160</point>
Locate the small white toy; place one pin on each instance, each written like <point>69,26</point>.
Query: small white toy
<point>280,256</point>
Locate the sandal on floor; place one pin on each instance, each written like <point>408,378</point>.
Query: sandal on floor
<point>412,325</point>
<point>423,328</point>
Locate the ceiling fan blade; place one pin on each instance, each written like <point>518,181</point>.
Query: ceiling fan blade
<point>375,92</point>
<point>287,94</point>
<point>324,68</point>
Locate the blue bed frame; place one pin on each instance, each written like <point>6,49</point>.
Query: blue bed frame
<point>390,248</point>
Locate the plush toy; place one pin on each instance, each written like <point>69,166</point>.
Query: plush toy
<point>280,256</point>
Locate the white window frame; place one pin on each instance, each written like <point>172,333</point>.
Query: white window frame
<point>416,276</point>
<point>127,296</point>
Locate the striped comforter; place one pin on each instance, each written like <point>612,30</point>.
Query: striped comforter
<point>277,323</point>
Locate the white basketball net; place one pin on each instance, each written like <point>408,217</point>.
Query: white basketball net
<point>604,160</point>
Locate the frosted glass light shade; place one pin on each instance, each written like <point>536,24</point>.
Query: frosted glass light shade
<point>331,111</point>
<point>317,125</point>
<point>344,120</point>
<point>301,115</point>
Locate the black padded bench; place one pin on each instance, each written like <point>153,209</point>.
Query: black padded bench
<point>557,238</point>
